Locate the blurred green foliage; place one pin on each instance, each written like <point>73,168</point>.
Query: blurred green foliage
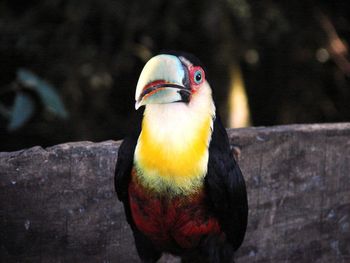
<point>93,51</point>
<point>46,92</point>
<point>23,109</point>
<point>24,103</point>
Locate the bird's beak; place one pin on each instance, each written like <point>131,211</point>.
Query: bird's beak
<point>164,79</point>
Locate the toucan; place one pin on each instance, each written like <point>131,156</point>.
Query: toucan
<point>182,190</point>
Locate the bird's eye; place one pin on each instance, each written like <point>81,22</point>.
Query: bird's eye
<point>197,77</point>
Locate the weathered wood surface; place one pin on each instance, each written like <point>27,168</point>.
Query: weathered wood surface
<point>58,204</point>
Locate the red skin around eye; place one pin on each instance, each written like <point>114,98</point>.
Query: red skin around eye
<point>193,70</point>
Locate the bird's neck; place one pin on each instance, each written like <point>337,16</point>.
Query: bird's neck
<point>172,149</point>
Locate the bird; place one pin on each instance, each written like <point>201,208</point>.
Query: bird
<point>183,192</point>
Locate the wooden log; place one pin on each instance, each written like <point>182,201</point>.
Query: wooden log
<point>58,204</point>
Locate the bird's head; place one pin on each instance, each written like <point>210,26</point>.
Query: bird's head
<point>177,122</point>
<point>169,78</point>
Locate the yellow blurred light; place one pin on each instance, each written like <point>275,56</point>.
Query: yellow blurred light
<point>239,114</point>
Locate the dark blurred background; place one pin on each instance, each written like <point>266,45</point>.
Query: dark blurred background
<point>69,68</point>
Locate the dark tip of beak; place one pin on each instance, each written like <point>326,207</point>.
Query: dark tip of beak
<point>185,95</point>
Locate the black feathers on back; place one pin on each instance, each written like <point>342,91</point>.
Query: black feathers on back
<point>225,187</point>
<point>123,173</point>
<point>145,248</point>
<point>125,159</point>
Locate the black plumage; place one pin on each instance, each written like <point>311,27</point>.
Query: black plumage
<point>225,194</point>
<point>145,249</point>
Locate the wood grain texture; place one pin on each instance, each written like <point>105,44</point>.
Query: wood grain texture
<point>58,204</point>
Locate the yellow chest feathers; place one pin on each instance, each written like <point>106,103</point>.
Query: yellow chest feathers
<point>172,149</point>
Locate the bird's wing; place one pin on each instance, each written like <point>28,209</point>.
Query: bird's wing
<point>123,173</point>
<point>125,161</point>
<point>225,187</point>
<point>144,247</point>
